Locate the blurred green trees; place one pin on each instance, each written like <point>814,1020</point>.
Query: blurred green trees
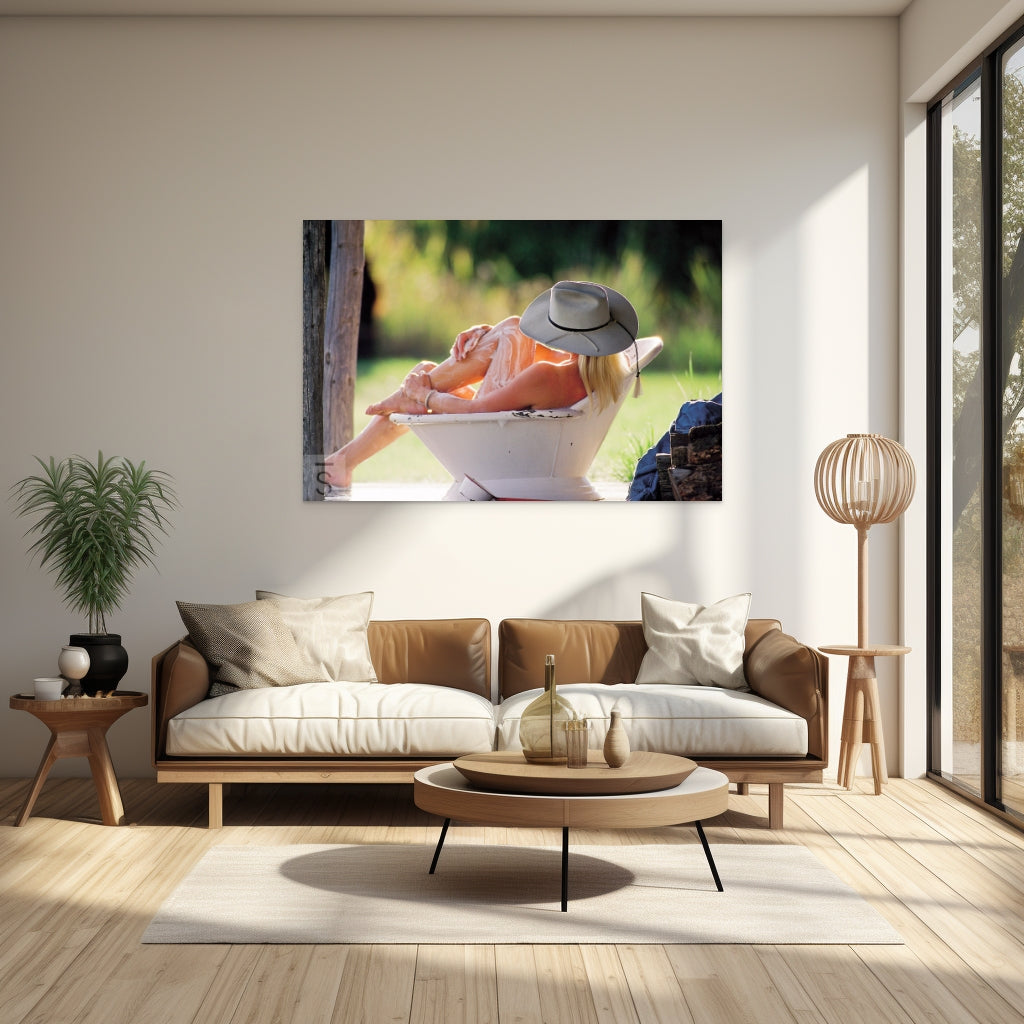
<point>435,278</point>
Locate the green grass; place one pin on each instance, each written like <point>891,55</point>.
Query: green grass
<point>640,423</point>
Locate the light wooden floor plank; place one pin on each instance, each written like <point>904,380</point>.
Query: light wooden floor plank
<point>789,985</point>
<point>234,977</point>
<point>608,985</point>
<point>988,879</point>
<point>149,985</point>
<point>984,946</point>
<point>275,985</point>
<point>564,991</point>
<point>727,984</point>
<point>921,995</point>
<point>963,815</point>
<point>75,897</point>
<point>656,993</point>
<point>841,988</point>
<point>939,966</point>
<point>518,985</point>
<point>455,985</point>
<point>377,985</point>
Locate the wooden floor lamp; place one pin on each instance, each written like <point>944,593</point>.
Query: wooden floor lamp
<point>863,480</point>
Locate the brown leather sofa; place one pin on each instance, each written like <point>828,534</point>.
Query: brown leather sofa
<point>778,668</point>
<point>457,653</point>
<point>443,652</point>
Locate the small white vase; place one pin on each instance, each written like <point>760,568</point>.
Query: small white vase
<point>616,743</point>
<point>73,663</point>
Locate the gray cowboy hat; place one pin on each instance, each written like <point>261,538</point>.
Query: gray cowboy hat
<point>582,317</point>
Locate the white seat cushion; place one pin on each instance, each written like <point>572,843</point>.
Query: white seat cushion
<point>692,721</point>
<point>339,719</point>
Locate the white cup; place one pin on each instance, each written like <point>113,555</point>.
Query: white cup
<point>49,688</point>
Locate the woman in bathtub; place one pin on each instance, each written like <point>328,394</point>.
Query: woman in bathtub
<point>576,334</point>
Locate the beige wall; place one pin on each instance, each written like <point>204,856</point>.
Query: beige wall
<point>939,38</point>
<point>155,175</point>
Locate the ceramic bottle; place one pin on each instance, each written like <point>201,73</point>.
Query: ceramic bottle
<point>616,743</point>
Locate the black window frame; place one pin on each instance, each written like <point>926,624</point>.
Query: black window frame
<point>989,66</point>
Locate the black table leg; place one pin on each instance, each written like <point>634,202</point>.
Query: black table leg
<point>565,868</point>
<point>440,843</point>
<point>707,853</point>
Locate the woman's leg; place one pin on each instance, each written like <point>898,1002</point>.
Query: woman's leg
<point>454,376</point>
<point>377,434</point>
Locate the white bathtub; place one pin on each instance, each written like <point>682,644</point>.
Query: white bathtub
<point>542,454</point>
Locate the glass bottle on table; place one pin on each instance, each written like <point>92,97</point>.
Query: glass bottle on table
<point>542,725</point>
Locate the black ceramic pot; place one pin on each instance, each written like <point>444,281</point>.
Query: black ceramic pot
<point>108,661</point>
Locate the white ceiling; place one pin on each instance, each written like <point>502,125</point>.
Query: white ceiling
<point>691,8</point>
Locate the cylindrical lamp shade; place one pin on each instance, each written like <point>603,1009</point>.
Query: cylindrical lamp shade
<point>863,479</point>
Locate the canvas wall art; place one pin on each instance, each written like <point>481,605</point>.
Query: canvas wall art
<point>512,360</point>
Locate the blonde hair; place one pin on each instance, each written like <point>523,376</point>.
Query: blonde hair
<point>603,377</point>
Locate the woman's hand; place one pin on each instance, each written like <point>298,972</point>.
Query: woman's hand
<point>417,386</point>
<point>468,340</point>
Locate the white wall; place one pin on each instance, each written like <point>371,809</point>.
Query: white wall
<point>939,38</point>
<point>155,175</point>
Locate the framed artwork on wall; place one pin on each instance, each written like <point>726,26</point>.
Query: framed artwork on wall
<point>512,360</point>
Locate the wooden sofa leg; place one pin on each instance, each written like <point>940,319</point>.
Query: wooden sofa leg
<point>216,819</point>
<point>775,804</point>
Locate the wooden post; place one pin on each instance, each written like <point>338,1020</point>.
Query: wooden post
<point>341,331</point>
<point>314,305</point>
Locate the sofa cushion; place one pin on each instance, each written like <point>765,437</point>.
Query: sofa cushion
<point>692,721</point>
<point>331,632</point>
<point>692,644</point>
<point>336,719</point>
<point>248,644</point>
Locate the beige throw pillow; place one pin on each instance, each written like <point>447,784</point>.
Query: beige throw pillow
<point>692,644</point>
<point>331,632</point>
<point>249,645</point>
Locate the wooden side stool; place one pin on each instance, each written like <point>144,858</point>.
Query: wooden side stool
<point>78,728</point>
<point>862,713</point>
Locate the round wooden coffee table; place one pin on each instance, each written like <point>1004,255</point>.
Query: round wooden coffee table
<point>507,770</point>
<point>441,789</point>
<point>78,728</point>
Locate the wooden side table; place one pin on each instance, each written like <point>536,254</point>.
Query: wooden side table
<point>862,714</point>
<point>78,728</point>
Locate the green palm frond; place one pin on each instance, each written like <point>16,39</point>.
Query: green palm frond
<point>94,525</point>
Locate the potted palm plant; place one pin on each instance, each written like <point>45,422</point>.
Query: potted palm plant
<point>96,523</point>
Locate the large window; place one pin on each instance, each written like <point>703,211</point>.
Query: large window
<point>960,631</point>
<point>976,308</point>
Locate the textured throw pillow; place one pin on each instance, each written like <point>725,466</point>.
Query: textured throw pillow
<point>331,632</point>
<point>691,644</point>
<point>249,645</point>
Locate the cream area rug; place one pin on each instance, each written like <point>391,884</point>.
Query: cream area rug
<point>512,894</point>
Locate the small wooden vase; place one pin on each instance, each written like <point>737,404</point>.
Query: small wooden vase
<point>616,743</point>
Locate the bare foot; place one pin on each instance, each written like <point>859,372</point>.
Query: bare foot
<point>336,473</point>
<point>398,402</point>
